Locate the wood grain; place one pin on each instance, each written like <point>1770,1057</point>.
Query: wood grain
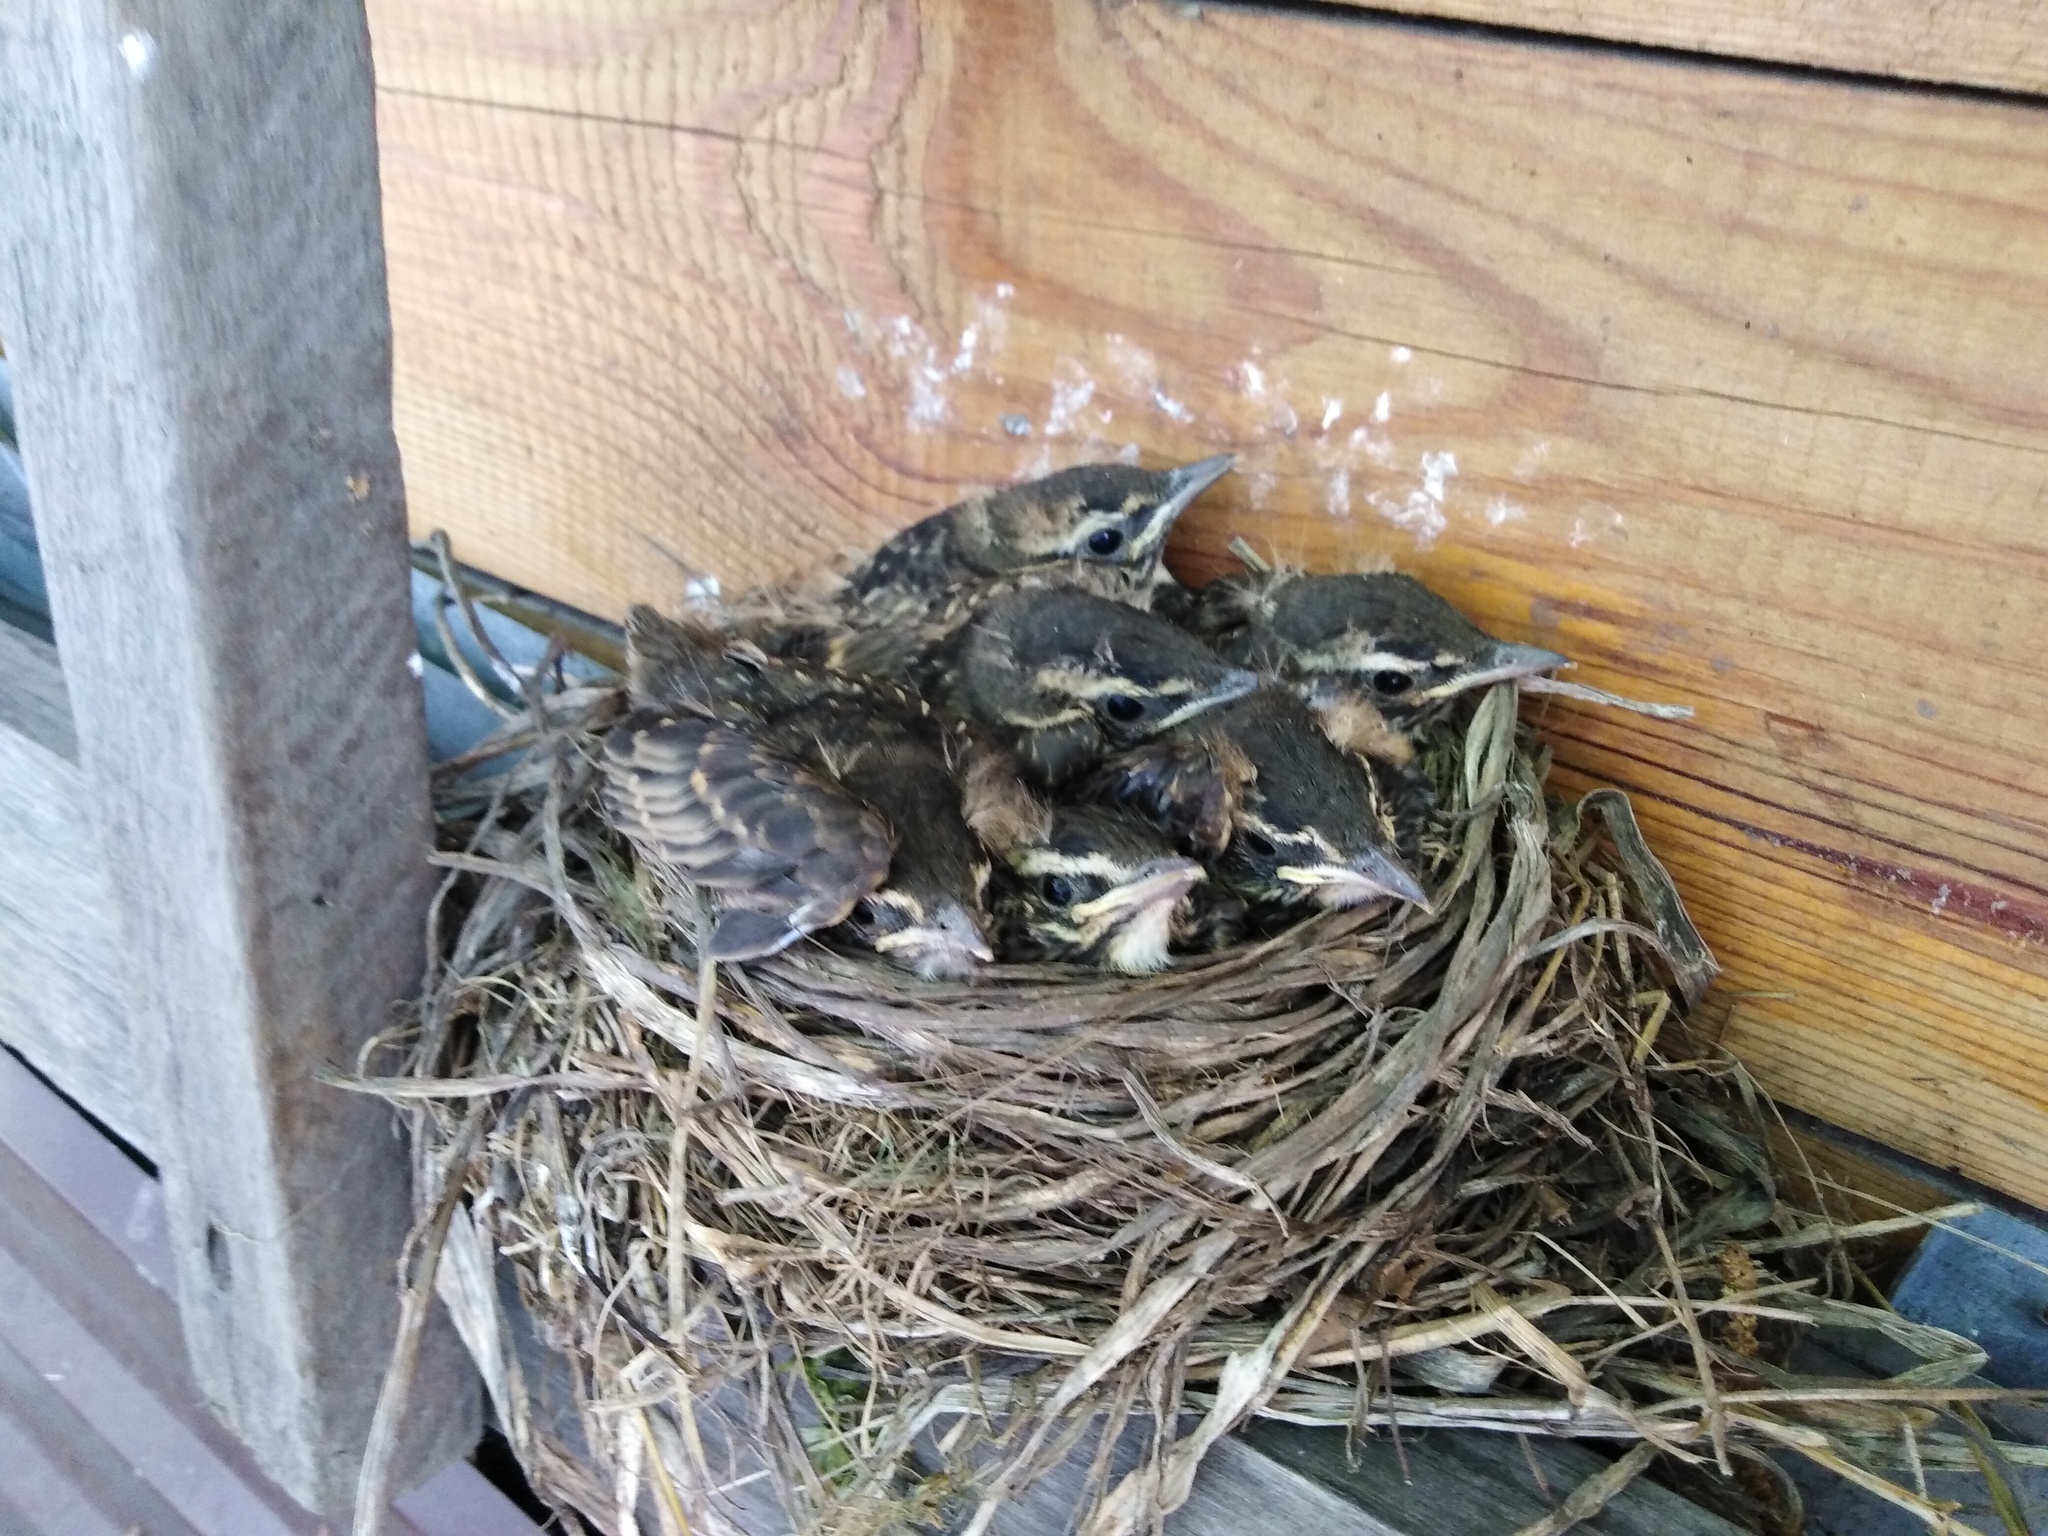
<point>1727,382</point>
<point>60,989</point>
<point>2002,44</point>
<point>192,293</point>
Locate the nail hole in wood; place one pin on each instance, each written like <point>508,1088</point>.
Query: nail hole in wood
<point>217,1260</point>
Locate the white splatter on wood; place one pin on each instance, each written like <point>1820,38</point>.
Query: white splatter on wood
<point>1500,510</point>
<point>1071,393</point>
<point>907,344</point>
<point>1401,354</point>
<point>849,383</point>
<point>1168,406</point>
<point>1421,511</point>
<point>1332,409</point>
<point>1337,493</point>
<point>1383,407</point>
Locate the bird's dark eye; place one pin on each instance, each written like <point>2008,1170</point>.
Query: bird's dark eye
<point>1122,708</point>
<point>1058,890</point>
<point>1105,541</point>
<point>1257,844</point>
<point>1391,683</point>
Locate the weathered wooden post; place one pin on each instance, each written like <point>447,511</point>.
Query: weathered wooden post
<point>194,296</point>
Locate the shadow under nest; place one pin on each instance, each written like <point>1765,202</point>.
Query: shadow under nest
<point>817,1244</point>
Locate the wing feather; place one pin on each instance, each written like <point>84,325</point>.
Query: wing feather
<point>721,811</point>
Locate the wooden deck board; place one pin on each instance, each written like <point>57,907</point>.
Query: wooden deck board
<point>1725,381</point>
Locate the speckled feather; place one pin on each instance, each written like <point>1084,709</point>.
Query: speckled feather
<point>788,852</point>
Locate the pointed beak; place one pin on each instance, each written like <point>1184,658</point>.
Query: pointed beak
<point>952,947</point>
<point>1161,883</point>
<point>1504,661</point>
<point>1370,876</point>
<point>1190,480</point>
<point>1234,684</point>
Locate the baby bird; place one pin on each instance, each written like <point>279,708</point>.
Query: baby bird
<point>1108,522</point>
<point>1285,817</point>
<point>813,779</point>
<point>1064,678</point>
<point>1098,527</point>
<point>1086,884</point>
<point>1358,649</point>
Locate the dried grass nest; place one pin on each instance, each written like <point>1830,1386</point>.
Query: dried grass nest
<point>814,1234</point>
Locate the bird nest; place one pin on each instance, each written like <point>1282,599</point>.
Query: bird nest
<point>811,1242</point>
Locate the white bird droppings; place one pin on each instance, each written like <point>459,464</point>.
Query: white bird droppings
<point>1337,494</point>
<point>1383,407</point>
<point>1070,397</point>
<point>1421,511</point>
<point>1500,510</point>
<point>849,383</point>
<point>1401,354</point>
<point>1332,409</point>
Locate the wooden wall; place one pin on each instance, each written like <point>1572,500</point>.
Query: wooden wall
<point>1727,380</point>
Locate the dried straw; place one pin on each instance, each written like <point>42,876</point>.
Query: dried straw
<point>810,1232</point>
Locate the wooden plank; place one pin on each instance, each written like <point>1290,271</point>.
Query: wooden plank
<point>33,699</point>
<point>81,1226</point>
<point>194,303</point>
<point>1739,372</point>
<point>60,1002</point>
<point>1447,1481</point>
<point>2002,44</point>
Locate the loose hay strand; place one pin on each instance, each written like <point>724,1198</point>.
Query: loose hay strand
<point>889,1249</point>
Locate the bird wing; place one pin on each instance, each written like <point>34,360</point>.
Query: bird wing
<point>1192,785</point>
<point>723,812</point>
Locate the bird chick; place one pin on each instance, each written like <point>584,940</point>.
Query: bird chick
<point>810,737</point>
<point>785,852</point>
<point>1286,818</point>
<point>1107,521</point>
<point>1065,677</point>
<point>1086,884</point>
<point>1097,527</point>
<point>1380,642</point>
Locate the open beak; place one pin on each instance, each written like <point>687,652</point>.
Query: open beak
<point>1501,662</point>
<point>1370,876</point>
<point>1234,684</point>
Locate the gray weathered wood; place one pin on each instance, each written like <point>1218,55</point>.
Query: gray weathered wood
<point>33,698</point>
<point>60,1000</point>
<point>1455,1480</point>
<point>86,1305</point>
<point>192,291</point>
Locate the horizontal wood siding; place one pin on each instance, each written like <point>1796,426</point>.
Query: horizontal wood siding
<point>2001,44</point>
<point>1727,382</point>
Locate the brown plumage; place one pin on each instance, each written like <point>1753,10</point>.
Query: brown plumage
<point>1063,678</point>
<point>1285,817</point>
<point>810,735</point>
<point>1099,528</point>
<point>1381,640</point>
<point>787,852</point>
<point>1088,884</point>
